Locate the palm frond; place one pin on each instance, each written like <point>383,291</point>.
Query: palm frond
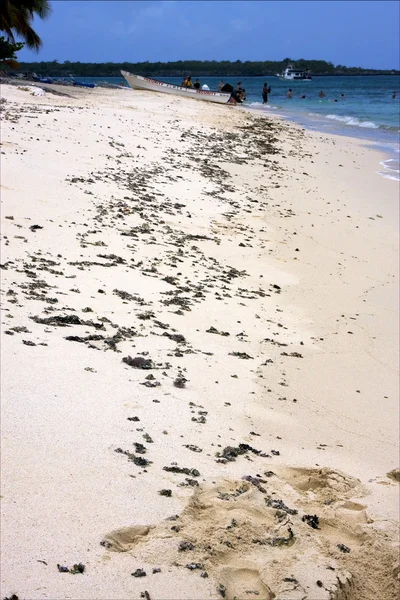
<point>16,17</point>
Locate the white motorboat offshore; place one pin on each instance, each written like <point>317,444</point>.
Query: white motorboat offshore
<point>292,74</point>
<point>138,82</point>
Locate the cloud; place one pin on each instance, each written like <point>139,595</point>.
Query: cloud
<point>152,16</point>
<point>240,25</point>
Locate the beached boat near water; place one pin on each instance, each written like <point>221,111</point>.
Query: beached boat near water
<point>137,82</point>
<point>83,84</point>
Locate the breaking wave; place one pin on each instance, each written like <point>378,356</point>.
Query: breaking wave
<point>260,105</point>
<point>391,168</point>
<point>353,121</point>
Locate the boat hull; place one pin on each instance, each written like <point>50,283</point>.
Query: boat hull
<point>137,82</point>
<point>283,78</point>
<point>84,84</point>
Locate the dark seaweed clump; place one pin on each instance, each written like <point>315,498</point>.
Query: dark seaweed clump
<point>311,520</point>
<point>139,362</point>
<point>184,470</point>
<point>230,453</point>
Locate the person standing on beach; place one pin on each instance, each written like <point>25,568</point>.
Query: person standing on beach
<point>289,94</point>
<point>220,85</point>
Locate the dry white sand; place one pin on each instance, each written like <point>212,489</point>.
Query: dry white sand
<point>253,265</point>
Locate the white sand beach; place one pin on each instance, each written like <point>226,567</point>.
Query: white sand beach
<point>229,287</point>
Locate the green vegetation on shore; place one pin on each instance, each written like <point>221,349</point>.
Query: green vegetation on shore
<point>16,17</point>
<point>195,67</point>
<point>8,50</point>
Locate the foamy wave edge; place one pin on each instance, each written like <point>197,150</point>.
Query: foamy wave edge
<point>391,169</point>
<point>353,121</point>
<point>260,105</point>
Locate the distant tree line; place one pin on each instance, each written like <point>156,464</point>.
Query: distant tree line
<point>195,68</point>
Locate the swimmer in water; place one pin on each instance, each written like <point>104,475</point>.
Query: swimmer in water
<point>289,94</point>
<point>394,95</point>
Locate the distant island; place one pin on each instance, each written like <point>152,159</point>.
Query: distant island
<point>197,68</point>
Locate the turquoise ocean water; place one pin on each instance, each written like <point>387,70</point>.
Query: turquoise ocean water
<point>367,109</point>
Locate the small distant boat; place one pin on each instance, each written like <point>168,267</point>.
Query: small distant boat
<point>83,84</point>
<point>137,82</point>
<point>292,74</point>
<point>43,79</point>
<point>63,81</point>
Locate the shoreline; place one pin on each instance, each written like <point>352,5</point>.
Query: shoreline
<point>248,269</point>
<point>373,138</point>
<point>375,135</point>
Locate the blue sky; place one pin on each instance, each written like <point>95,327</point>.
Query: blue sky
<point>351,33</point>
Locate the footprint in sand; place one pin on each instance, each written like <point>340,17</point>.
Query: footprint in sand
<point>244,582</point>
<point>125,538</point>
<point>322,482</point>
<point>254,544</point>
<point>353,506</point>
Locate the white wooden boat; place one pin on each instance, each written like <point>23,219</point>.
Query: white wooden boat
<point>137,82</point>
<point>292,74</point>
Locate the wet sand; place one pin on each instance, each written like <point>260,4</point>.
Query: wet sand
<point>199,354</point>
